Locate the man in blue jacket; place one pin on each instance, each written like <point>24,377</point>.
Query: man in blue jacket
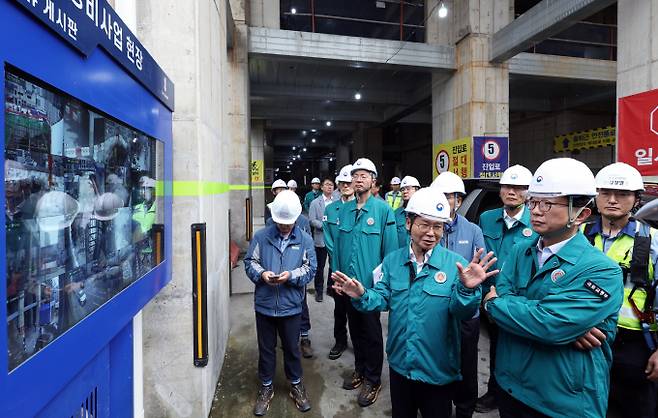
<point>465,238</point>
<point>550,292</point>
<point>280,261</point>
<point>427,290</point>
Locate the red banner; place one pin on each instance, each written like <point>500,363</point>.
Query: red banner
<point>637,132</point>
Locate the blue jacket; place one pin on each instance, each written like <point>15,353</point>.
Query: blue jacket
<point>462,237</point>
<point>298,258</point>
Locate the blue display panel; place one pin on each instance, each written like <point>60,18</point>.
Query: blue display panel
<point>80,209</point>
<point>40,382</point>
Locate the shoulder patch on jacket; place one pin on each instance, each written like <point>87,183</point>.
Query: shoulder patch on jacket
<point>598,291</point>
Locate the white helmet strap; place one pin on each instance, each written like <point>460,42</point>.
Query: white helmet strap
<point>572,218</point>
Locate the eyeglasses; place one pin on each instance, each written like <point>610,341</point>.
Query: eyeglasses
<point>425,228</point>
<point>360,176</point>
<point>544,205</point>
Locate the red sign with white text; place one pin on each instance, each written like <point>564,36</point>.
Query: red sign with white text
<point>637,141</point>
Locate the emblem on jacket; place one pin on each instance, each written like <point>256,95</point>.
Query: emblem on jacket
<point>370,221</point>
<point>555,276</point>
<point>527,232</point>
<point>440,277</point>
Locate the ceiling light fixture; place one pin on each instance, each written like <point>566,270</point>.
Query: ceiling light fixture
<point>294,148</point>
<point>314,130</point>
<point>328,123</point>
<point>313,140</point>
<point>443,10</point>
<point>304,149</point>
<point>357,96</point>
<point>293,11</point>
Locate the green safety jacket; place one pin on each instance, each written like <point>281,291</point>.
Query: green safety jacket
<point>310,196</point>
<point>499,239</point>
<point>330,229</point>
<point>540,312</point>
<point>621,251</point>
<point>401,226</point>
<point>394,199</point>
<point>365,237</point>
<point>425,311</point>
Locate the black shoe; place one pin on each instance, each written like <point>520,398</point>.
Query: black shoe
<point>298,395</point>
<point>353,381</point>
<point>305,346</point>
<point>337,351</point>
<point>369,393</point>
<point>265,395</point>
<point>318,296</point>
<point>486,403</point>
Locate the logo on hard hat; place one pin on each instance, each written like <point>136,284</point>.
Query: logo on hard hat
<point>539,179</point>
<point>513,176</point>
<point>439,207</point>
<point>358,162</point>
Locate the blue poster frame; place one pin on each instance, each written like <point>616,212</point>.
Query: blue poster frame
<point>100,82</point>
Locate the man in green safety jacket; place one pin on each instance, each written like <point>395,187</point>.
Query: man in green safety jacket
<point>394,197</point>
<point>330,229</point>
<point>550,292</point>
<point>312,195</point>
<point>408,187</point>
<point>502,229</point>
<point>366,234</point>
<point>427,290</point>
<point>634,246</point>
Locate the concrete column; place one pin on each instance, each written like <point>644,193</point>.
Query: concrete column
<point>188,39</point>
<point>474,100</point>
<point>637,46</point>
<point>257,140</point>
<point>265,13</point>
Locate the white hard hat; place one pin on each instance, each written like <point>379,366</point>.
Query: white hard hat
<point>56,210</point>
<point>562,177</point>
<point>619,176</point>
<point>292,184</point>
<point>106,206</point>
<point>449,182</point>
<point>395,180</point>
<point>286,208</point>
<point>516,175</point>
<point>409,181</point>
<point>315,180</point>
<point>364,164</point>
<point>279,184</point>
<point>345,174</point>
<point>146,181</point>
<point>429,203</point>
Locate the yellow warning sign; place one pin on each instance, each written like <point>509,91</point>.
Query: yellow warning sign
<point>455,156</point>
<point>257,171</point>
<point>594,138</point>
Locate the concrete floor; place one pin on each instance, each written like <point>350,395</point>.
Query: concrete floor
<point>238,385</point>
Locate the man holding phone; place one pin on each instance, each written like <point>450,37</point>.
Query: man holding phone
<point>280,261</point>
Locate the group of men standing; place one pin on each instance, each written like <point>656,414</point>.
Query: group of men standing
<point>556,291</point>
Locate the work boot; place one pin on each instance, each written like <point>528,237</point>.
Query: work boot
<point>337,351</point>
<point>265,395</point>
<point>369,393</point>
<point>305,346</point>
<point>353,381</point>
<point>298,395</point>
<point>486,403</point>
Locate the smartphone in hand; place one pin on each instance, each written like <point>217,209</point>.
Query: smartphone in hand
<point>274,278</point>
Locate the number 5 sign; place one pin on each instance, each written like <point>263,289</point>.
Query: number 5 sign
<point>491,156</point>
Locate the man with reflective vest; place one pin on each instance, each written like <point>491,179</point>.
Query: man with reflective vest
<point>502,229</point>
<point>549,293</point>
<point>366,234</point>
<point>634,246</point>
<point>408,187</point>
<point>427,290</point>
<point>330,228</point>
<point>393,197</point>
<point>465,238</point>
<point>311,195</point>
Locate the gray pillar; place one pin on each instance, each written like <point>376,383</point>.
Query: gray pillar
<point>258,190</point>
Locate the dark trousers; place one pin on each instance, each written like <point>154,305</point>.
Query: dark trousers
<point>630,389</point>
<point>305,322</point>
<point>492,385</point>
<point>341,303</point>
<point>287,327</point>
<point>466,391</point>
<point>321,254</point>
<point>510,407</point>
<point>366,333</point>
<point>410,396</point>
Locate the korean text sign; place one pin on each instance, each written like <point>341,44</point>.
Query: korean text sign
<point>638,132</point>
<point>455,156</point>
<point>490,156</point>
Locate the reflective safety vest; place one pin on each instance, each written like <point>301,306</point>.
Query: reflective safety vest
<point>621,251</point>
<point>394,199</point>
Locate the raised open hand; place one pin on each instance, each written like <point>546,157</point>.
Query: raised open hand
<point>476,271</point>
<point>343,284</point>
